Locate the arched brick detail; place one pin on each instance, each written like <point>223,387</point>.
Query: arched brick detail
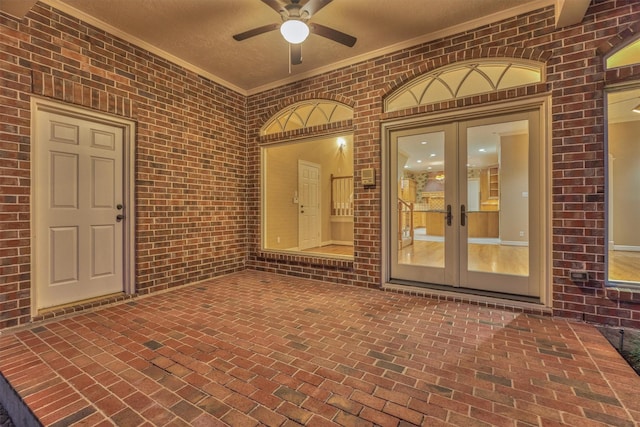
<point>305,97</point>
<point>625,36</point>
<point>533,54</point>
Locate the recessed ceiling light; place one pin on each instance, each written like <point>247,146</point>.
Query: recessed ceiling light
<point>429,168</point>
<point>482,150</point>
<point>424,143</point>
<point>419,161</point>
<point>432,155</point>
<point>406,166</point>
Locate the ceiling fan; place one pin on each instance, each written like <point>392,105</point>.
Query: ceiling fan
<point>295,26</point>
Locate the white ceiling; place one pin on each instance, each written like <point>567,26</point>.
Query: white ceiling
<point>198,33</point>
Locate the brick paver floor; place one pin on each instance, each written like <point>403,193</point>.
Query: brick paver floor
<point>256,348</point>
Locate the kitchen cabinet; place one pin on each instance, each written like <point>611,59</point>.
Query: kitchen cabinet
<point>434,222</point>
<point>483,224</point>
<point>408,190</point>
<point>494,182</point>
<point>419,219</point>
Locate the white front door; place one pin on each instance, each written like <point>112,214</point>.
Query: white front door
<point>79,212</point>
<point>309,205</point>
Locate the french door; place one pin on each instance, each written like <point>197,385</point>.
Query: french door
<point>465,199</point>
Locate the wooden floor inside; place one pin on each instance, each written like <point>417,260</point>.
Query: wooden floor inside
<point>491,258</point>
<point>624,266</point>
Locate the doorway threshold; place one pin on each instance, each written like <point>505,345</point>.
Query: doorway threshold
<point>515,303</point>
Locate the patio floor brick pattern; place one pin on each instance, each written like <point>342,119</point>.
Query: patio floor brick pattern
<point>256,348</point>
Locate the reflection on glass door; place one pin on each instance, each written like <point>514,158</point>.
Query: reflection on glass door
<point>465,197</point>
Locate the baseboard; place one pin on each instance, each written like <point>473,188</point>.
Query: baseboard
<point>513,243</point>
<point>626,248</point>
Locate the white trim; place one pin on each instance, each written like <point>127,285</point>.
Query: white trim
<point>63,7</point>
<point>627,248</point>
<point>435,35</point>
<point>129,131</point>
<point>513,243</point>
<point>446,32</point>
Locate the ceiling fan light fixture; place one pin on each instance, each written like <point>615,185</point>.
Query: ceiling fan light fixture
<point>294,31</point>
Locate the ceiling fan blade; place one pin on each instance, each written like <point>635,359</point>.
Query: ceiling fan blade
<point>296,54</point>
<point>331,34</point>
<point>256,31</point>
<point>313,6</point>
<point>274,4</point>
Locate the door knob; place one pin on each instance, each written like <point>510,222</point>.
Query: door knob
<point>119,217</point>
<point>119,206</point>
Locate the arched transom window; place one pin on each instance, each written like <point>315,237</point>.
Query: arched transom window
<point>307,114</point>
<point>465,79</point>
<point>628,55</point>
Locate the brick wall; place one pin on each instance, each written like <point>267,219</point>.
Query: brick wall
<point>197,148</point>
<point>576,81</point>
<point>190,151</point>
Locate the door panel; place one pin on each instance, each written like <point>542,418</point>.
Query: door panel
<point>473,223</point>
<point>309,208</point>
<point>420,247</point>
<point>78,194</point>
<point>502,149</point>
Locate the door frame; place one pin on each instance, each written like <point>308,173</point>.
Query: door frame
<point>128,168</point>
<point>543,105</point>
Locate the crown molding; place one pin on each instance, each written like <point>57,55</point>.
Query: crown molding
<point>450,31</point>
<point>456,29</point>
<point>63,7</point>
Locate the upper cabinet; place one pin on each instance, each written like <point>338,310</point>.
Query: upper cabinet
<point>408,190</point>
<point>494,182</point>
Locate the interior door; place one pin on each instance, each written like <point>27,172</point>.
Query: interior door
<point>472,222</point>
<point>308,205</point>
<point>79,209</point>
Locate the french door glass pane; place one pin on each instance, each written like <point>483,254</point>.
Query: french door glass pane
<point>421,202</point>
<point>497,203</point>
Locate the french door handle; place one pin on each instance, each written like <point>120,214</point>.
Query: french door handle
<point>463,215</point>
<point>449,215</point>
